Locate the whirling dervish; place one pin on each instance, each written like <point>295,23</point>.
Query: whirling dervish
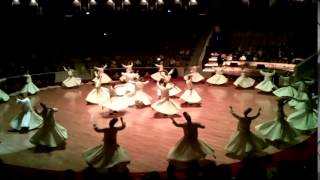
<point>279,130</point>
<point>71,81</point>
<point>116,103</point>
<point>29,88</point>
<point>3,96</point>
<point>103,76</point>
<point>305,118</point>
<point>109,156</point>
<point>243,81</point>
<point>174,90</point>
<point>158,75</point>
<point>165,105</point>
<point>218,78</point>
<point>190,95</point>
<point>302,87</point>
<point>266,85</point>
<point>98,94</point>
<point>141,98</point>
<point>129,70</point>
<point>189,147</point>
<point>51,134</point>
<point>27,119</point>
<point>243,143</point>
<point>195,75</point>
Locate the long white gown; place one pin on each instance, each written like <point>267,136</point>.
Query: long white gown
<point>243,81</point>
<point>195,75</point>
<point>109,154</point>
<point>51,134</point>
<point>266,85</point>
<point>190,95</point>
<point>28,118</point>
<point>174,90</point>
<point>98,94</point>
<point>158,75</point>
<point>71,81</point>
<point>189,147</point>
<point>287,90</point>
<point>115,102</point>
<point>140,97</point>
<point>128,86</point>
<point>301,89</point>
<point>129,70</point>
<point>218,78</point>
<point>104,77</point>
<point>165,105</point>
<point>3,96</point>
<point>29,87</point>
<point>306,115</point>
<point>243,143</point>
<point>278,129</point>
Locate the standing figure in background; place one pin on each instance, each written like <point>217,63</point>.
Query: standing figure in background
<point>3,96</point>
<point>195,75</point>
<point>100,72</point>
<point>158,75</point>
<point>243,143</point>
<point>51,134</point>
<point>165,105</point>
<point>28,119</point>
<point>189,147</point>
<point>174,90</point>
<point>266,85</point>
<point>243,81</point>
<point>29,88</point>
<point>71,81</point>
<point>279,130</point>
<point>190,95</point>
<point>218,78</point>
<point>98,94</point>
<point>109,156</point>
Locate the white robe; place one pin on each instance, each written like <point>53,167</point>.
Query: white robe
<point>29,87</point>
<point>28,118</point>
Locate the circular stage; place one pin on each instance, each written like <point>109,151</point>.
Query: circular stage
<point>147,138</point>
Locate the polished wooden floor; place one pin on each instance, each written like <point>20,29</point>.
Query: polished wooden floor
<point>147,138</point>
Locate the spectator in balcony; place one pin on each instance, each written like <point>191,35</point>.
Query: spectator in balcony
<point>243,143</point>
<point>3,96</point>
<point>28,119</point>
<point>71,81</point>
<point>109,156</point>
<point>51,134</point>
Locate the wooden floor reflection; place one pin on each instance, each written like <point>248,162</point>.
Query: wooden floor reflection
<point>147,138</point>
